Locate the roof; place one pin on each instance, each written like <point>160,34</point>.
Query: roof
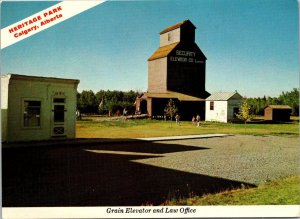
<point>175,26</point>
<point>171,94</point>
<point>163,51</point>
<point>224,96</point>
<point>39,78</point>
<point>279,107</point>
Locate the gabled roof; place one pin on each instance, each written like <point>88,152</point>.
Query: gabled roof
<point>163,51</point>
<point>279,107</point>
<point>175,26</point>
<point>224,96</point>
<point>172,94</point>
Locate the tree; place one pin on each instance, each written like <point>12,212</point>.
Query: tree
<point>245,113</point>
<point>292,99</point>
<point>108,102</point>
<point>170,109</point>
<point>110,105</point>
<point>87,102</point>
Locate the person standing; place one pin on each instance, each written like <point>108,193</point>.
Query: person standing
<point>193,120</point>
<point>177,118</point>
<point>124,112</point>
<point>78,114</point>
<point>198,120</point>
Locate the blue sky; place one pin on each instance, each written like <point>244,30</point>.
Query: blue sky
<point>251,46</point>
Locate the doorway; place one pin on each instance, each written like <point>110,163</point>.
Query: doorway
<point>58,117</point>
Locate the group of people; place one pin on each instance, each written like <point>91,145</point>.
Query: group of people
<point>195,120</point>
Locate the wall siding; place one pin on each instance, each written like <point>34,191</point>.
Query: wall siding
<point>219,114</point>
<point>223,110</point>
<point>4,106</point>
<point>157,75</point>
<point>170,37</point>
<point>181,74</point>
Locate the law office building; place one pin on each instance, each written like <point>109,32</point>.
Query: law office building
<point>37,108</point>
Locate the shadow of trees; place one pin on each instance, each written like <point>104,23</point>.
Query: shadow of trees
<point>76,176</point>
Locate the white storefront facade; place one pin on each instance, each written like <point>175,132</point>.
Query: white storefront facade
<point>37,108</point>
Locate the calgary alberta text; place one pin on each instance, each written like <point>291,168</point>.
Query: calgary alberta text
<point>34,23</point>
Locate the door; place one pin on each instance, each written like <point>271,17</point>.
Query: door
<point>58,117</point>
<point>236,110</point>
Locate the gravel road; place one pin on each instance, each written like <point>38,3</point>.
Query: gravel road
<point>246,158</point>
<point>142,172</point>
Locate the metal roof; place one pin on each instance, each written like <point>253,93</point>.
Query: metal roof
<point>171,94</point>
<point>224,96</point>
<point>279,107</point>
<point>39,78</point>
<point>163,51</point>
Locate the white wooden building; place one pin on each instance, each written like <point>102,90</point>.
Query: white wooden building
<point>222,106</point>
<point>37,108</point>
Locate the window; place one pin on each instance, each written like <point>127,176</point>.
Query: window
<point>211,105</point>
<point>169,37</point>
<point>32,113</point>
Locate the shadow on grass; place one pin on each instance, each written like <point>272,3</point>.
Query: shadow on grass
<point>284,133</point>
<point>76,176</point>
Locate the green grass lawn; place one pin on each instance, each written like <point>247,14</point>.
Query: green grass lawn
<point>90,127</point>
<point>279,192</point>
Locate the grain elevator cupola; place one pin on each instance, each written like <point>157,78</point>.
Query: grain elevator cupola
<point>181,32</point>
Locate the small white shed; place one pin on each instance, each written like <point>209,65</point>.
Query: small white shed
<point>222,106</point>
<point>37,108</point>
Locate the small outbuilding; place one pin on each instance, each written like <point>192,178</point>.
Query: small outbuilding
<point>222,106</point>
<point>277,113</point>
<point>37,108</point>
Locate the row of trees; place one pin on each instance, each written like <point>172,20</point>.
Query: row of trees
<point>290,98</point>
<point>106,102</point>
<point>110,102</point>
